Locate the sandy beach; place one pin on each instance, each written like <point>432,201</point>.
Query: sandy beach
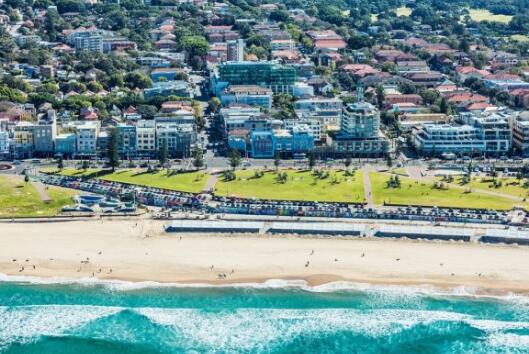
<point>139,250</point>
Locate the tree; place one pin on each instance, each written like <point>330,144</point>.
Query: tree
<point>112,149</point>
<point>198,158</point>
<point>198,112</point>
<point>444,107</point>
<point>380,97</point>
<point>214,104</point>
<point>312,160</point>
<point>429,96</point>
<point>235,159</point>
<point>137,79</point>
<point>279,15</point>
<point>277,160</point>
<point>348,161</point>
<point>389,161</point>
<point>162,153</point>
<point>195,46</point>
<point>147,111</point>
<point>70,6</point>
<point>60,163</point>
<point>84,165</point>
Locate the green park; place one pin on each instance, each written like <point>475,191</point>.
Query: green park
<point>324,186</point>
<point>434,193</point>
<point>330,185</point>
<point>19,198</point>
<point>192,182</point>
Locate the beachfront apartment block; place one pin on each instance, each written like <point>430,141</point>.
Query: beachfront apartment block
<point>35,138</point>
<point>146,138</point>
<point>65,145</point>
<point>23,140</point>
<point>285,142</point>
<point>360,120</point>
<point>44,134</point>
<point>86,135</point>
<point>359,133</point>
<point>179,138</point>
<point>438,139</point>
<point>127,141</point>
<point>495,130</point>
<point>486,134</point>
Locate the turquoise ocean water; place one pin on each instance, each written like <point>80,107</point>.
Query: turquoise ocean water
<point>121,318</point>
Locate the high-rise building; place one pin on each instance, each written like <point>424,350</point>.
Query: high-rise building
<point>235,50</point>
<point>360,133</point>
<point>360,120</point>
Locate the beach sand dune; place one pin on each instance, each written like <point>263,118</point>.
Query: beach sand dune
<point>139,250</point>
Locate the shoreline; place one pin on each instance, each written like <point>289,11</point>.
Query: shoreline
<point>138,251</point>
<point>428,289</point>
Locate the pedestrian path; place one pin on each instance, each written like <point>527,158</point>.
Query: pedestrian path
<point>368,195</point>
<point>41,190</point>
<point>210,183</point>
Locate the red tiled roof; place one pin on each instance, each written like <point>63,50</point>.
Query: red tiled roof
<point>479,106</point>
<point>330,43</point>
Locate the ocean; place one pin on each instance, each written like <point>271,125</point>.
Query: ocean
<point>276,317</point>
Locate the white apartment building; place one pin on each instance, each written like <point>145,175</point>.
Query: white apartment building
<point>435,139</point>
<point>146,137</point>
<point>86,138</point>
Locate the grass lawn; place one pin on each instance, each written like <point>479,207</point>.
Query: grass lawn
<point>401,171</point>
<point>480,15</point>
<point>412,192</point>
<point>519,38</point>
<point>509,185</point>
<point>18,199</point>
<point>301,185</point>
<point>193,182</point>
<point>403,11</point>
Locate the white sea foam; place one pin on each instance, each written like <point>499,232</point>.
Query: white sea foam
<point>254,329</point>
<point>338,286</point>
<point>245,329</point>
<point>509,342</point>
<point>25,323</point>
